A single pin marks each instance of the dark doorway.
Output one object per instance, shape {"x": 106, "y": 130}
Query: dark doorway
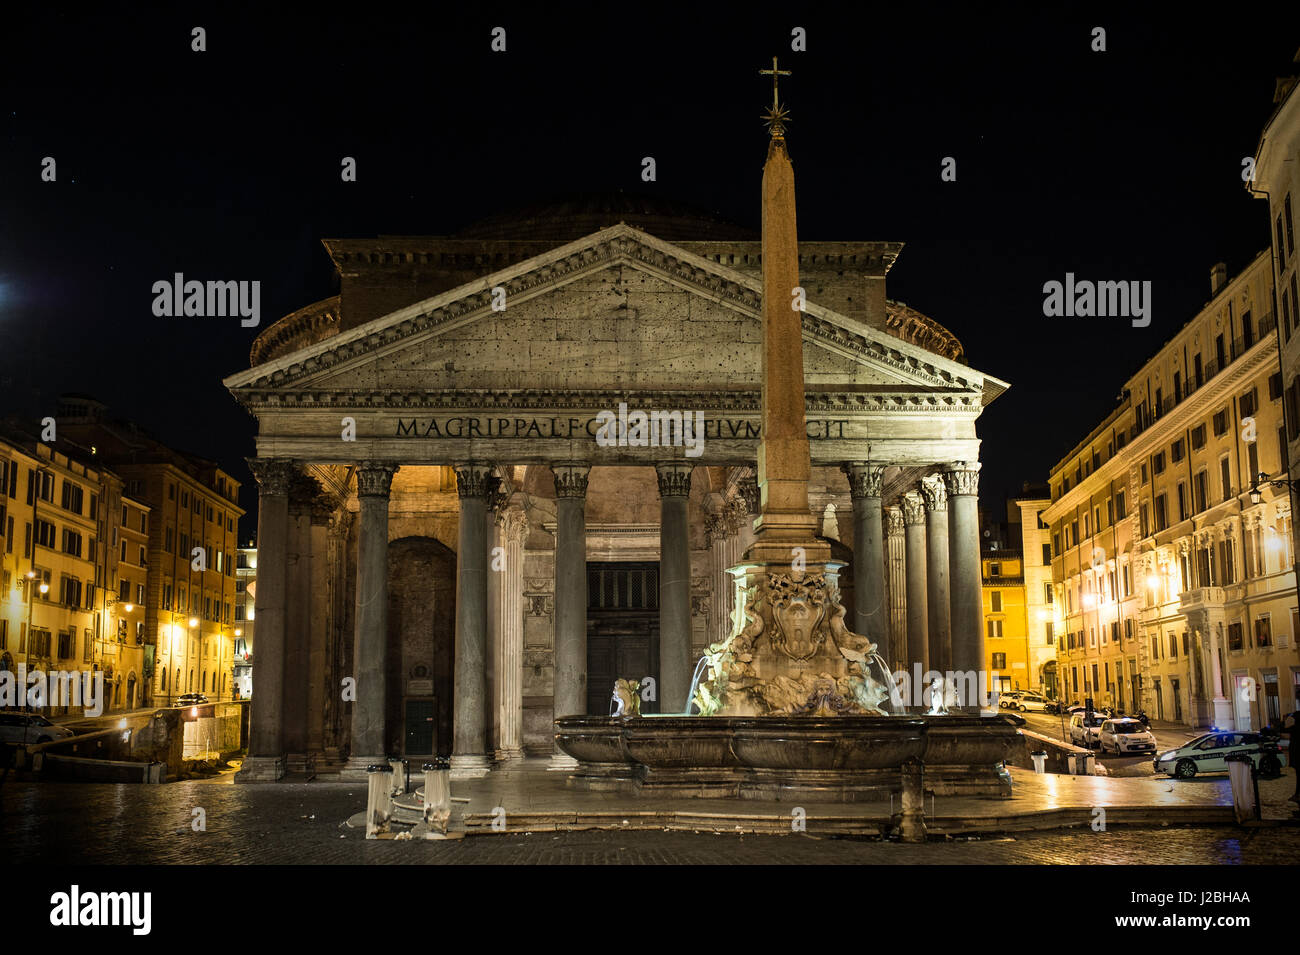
{"x": 421, "y": 728}
{"x": 622, "y": 631}
{"x": 421, "y": 642}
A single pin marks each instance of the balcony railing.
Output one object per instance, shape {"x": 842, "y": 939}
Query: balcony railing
{"x": 1236, "y": 348}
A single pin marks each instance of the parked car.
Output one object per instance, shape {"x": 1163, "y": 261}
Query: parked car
{"x": 1085, "y": 730}
{"x": 1007, "y": 699}
{"x": 1206, "y": 754}
{"x": 1125, "y": 735}
{"x": 30, "y": 728}
{"x": 190, "y": 699}
{"x": 1027, "y": 701}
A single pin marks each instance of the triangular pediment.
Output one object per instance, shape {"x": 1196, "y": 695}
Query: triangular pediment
{"x": 619, "y": 309}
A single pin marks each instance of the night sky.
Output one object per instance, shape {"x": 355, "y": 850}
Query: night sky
{"x": 225, "y": 165}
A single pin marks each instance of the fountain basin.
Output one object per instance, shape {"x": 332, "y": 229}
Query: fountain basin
{"x": 850, "y": 758}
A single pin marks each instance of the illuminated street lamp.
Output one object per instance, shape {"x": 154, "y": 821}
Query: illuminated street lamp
{"x": 1262, "y": 481}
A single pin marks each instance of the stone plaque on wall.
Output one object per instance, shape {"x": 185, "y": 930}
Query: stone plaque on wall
{"x": 419, "y": 688}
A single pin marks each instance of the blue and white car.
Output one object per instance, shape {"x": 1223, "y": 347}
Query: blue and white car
{"x": 1207, "y": 754}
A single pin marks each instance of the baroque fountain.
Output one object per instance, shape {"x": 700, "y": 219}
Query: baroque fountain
{"x": 792, "y": 704}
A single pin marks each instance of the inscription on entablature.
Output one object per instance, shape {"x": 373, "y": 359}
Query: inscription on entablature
{"x": 473, "y": 426}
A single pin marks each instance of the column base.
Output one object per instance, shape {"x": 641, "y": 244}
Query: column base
{"x": 261, "y": 769}
{"x": 356, "y": 767}
{"x": 508, "y": 753}
{"x": 1224, "y": 718}
{"x": 470, "y": 766}
{"x": 561, "y": 763}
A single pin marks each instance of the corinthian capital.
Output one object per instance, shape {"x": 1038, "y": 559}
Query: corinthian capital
{"x": 273, "y": 475}
{"x": 375, "y": 478}
{"x": 936, "y": 497}
{"x": 913, "y": 508}
{"x": 473, "y": 480}
{"x": 962, "y": 479}
{"x": 864, "y": 479}
{"x": 894, "y": 521}
{"x": 571, "y": 480}
{"x": 674, "y": 479}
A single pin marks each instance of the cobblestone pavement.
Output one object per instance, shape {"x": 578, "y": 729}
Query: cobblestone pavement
{"x": 61, "y": 823}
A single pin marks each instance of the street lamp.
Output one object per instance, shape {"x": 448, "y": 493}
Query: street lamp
{"x": 1262, "y": 481}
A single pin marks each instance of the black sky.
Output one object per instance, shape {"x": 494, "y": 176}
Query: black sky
{"x": 225, "y": 164}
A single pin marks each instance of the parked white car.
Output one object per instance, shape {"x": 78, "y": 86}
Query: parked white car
{"x": 1206, "y": 754}
{"x": 29, "y": 728}
{"x": 1085, "y": 731}
{"x": 1027, "y": 701}
{"x": 1125, "y": 735}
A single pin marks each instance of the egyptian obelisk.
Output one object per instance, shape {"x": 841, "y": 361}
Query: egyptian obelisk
{"x": 785, "y": 521}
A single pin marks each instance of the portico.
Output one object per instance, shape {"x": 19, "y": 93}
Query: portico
{"x": 469, "y": 505}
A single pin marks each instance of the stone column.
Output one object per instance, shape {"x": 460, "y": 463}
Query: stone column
{"x": 936, "y": 540}
{"x": 570, "y": 598}
{"x": 719, "y": 539}
{"x": 917, "y": 598}
{"x": 961, "y": 481}
{"x": 897, "y": 562}
{"x": 871, "y": 615}
{"x": 469, "y": 723}
{"x": 322, "y": 617}
{"x": 510, "y": 636}
{"x": 338, "y": 657}
{"x": 674, "y": 586}
{"x": 370, "y": 657}
{"x": 298, "y": 620}
{"x": 266, "y": 731}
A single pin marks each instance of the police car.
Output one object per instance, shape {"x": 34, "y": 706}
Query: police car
{"x": 1208, "y": 754}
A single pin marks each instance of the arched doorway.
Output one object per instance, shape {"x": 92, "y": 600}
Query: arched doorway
{"x": 421, "y": 646}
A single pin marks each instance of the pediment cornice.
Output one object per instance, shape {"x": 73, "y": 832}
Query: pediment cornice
{"x": 545, "y": 399}
{"x": 619, "y": 244}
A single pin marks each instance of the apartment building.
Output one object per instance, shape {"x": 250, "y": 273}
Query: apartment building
{"x": 1172, "y": 563}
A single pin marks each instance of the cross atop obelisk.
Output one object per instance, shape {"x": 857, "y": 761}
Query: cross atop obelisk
{"x": 777, "y": 116}
{"x": 785, "y": 521}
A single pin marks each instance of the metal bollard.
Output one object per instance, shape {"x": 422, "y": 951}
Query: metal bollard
{"x": 1040, "y": 762}
{"x": 379, "y": 800}
{"x": 437, "y": 793}
{"x": 401, "y": 774}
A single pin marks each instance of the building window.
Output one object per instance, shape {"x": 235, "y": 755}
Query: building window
{"x": 1182, "y": 502}
{"x": 1200, "y": 491}
{"x": 1234, "y": 636}
{"x": 1051, "y": 632}
{"x": 1176, "y": 451}
{"x": 1198, "y": 437}
{"x": 994, "y": 629}
{"x": 999, "y": 661}
{"x": 1220, "y": 422}
{"x": 1225, "y": 477}
{"x": 1047, "y": 592}
{"x": 1249, "y": 403}
{"x": 996, "y": 601}
{"x": 1047, "y": 554}
{"x": 1263, "y": 631}
{"x": 1162, "y": 518}
{"x": 1158, "y": 463}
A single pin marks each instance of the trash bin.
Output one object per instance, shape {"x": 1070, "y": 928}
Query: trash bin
{"x": 1245, "y": 788}
{"x": 1040, "y": 762}
{"x": 437, "y": 793}
{"x": 379, "y": 800}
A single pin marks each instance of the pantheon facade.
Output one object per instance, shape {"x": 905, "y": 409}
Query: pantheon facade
{"x": 449, "y": 553}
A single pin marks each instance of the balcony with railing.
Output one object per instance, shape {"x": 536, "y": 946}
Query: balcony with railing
{"x": 1236, "y": 348}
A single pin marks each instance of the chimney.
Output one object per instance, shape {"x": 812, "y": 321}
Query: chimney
{"x": 1218, "y": 277}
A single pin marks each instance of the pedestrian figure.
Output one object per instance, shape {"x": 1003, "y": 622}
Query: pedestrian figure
{"x": 1145, "y": 720}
